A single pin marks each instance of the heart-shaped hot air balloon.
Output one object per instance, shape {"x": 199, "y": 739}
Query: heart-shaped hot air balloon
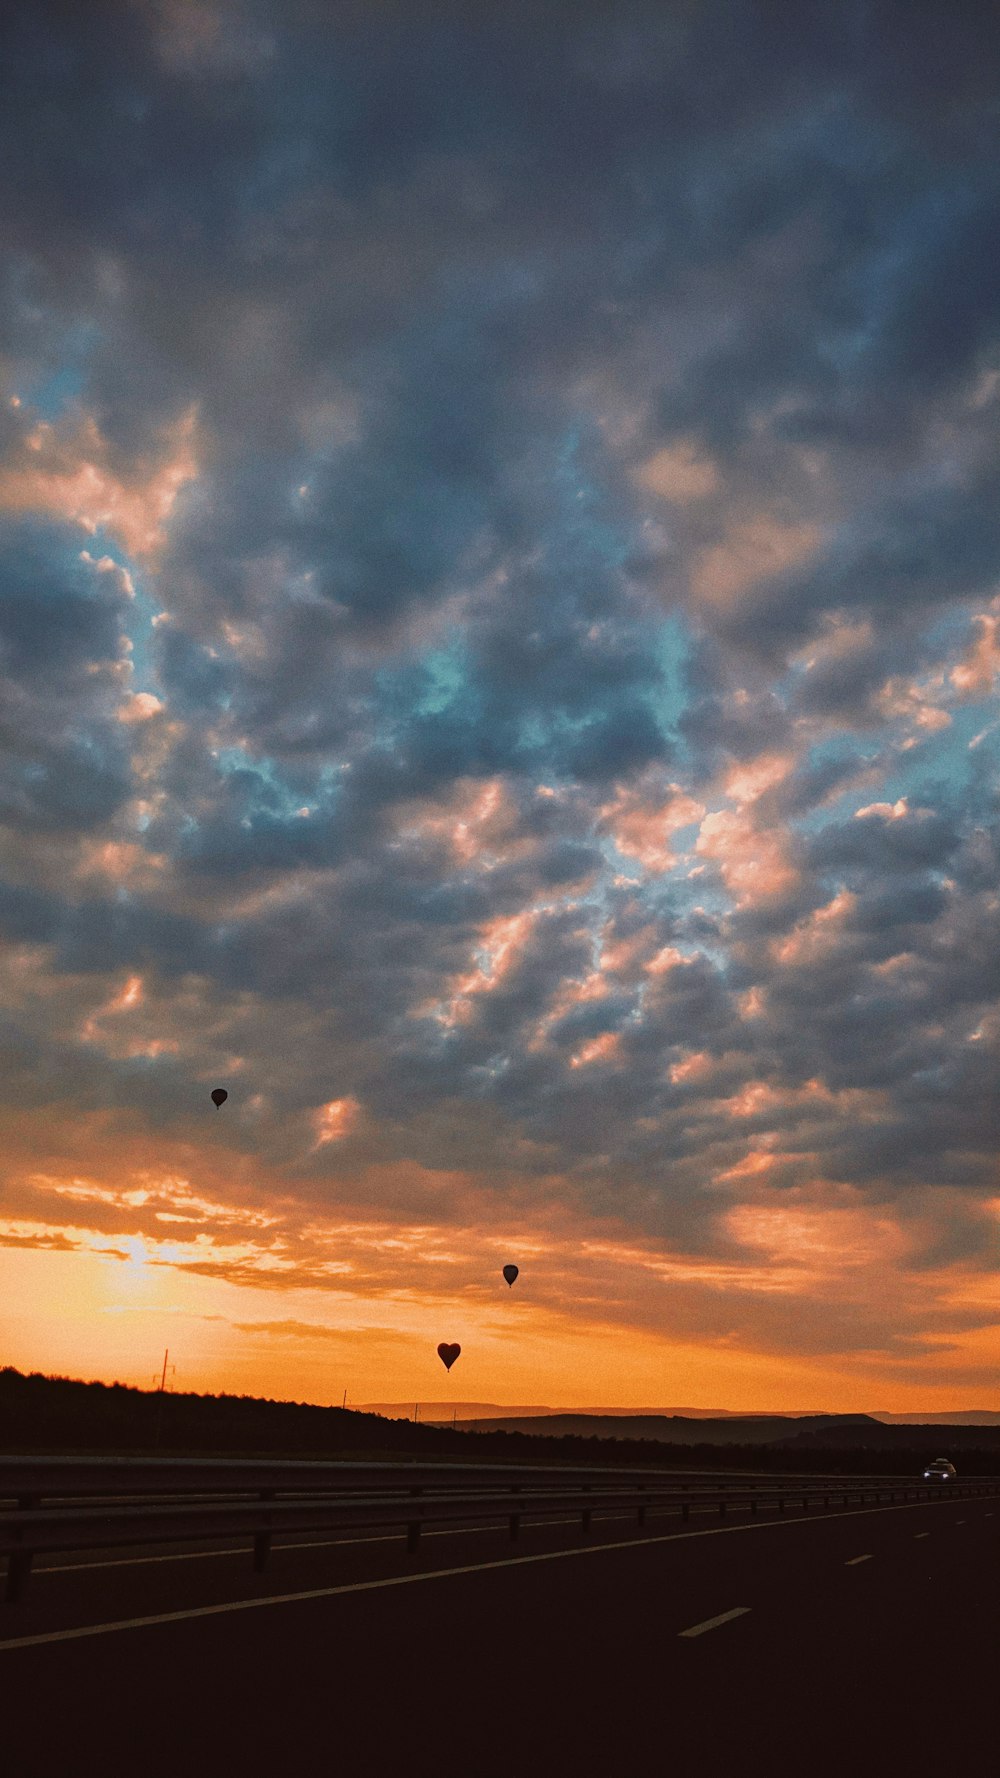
{"x": 510, "y": 1273}
{"x": 448, "y": 1354}
{"x": 219, "y": 1097}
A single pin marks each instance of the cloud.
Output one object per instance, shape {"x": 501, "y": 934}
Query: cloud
{"x": 64, "y": 473}
{"x": 498, "y": 636}
{"x": 64, "y": 660}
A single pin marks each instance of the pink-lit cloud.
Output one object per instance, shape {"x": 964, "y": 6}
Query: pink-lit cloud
{"x": 498, "y": 649}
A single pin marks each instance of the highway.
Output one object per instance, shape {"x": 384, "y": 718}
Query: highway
{"x": 864, "y": 1640}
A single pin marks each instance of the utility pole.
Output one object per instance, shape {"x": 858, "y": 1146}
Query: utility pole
{"x": 416, "y": 1410}
{"x": 344, "y": 1402}
{"x": 160, "y": 1394}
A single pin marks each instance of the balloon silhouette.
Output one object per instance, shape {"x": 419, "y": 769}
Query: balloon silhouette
{"x": 448, "y": 1354}
{"x": 219, "y": 1097}
{"x": 510, "y": 1273}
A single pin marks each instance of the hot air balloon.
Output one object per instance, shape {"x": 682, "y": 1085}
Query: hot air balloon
{"x": 448, "y": 1354}
{"x": 219, "y": 1097}
{"x": 510, "y": 1273}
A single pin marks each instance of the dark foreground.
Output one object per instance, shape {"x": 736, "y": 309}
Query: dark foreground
{"x": 571, "y": 1665}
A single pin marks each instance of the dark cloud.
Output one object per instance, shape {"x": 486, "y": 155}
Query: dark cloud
{"x": 536, "y": 474}
{"x": 879, "y": 842}
{"x": 61, "y": 628}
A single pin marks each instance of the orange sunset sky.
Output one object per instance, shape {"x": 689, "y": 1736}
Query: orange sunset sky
{"x": 499, "y": 641}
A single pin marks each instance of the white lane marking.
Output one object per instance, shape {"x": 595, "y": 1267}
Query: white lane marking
{"x": 960, "y": 1521}
{"x": 854, "y": 1560}
{"x": 917, "y": 1534}
{"x": 712, "y": 1623}
{"x": 405, "y": 1580}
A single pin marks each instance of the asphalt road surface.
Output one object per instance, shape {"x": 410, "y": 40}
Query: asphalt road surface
{"x": 856, "y": 1642}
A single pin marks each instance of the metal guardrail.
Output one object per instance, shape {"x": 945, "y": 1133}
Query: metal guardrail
{"x": 96, "y": 1504}
{"x": 72, "y": 1478}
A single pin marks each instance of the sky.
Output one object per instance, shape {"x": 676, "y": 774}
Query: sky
{"x": 499, "y": 632}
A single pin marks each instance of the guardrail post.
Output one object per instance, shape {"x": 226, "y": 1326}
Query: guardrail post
{"x": 642, "y": 1506}
{"x": 19, "y": 1561}
{"x": 514, "y": 1522}
{"x": 262, "y": 1541}
{"x": 722, "y": 1506}
{"x": 413, "y": 1528}
{"x": 587, "y": 1511}
{"x": 685, "y": 1509}
{"x": 781, "y": 1503}
{"x": 753, "y": 1503}
{"x": 805, "y": 1503}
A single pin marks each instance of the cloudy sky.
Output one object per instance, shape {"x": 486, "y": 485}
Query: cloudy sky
{"x": 499, "y": 628}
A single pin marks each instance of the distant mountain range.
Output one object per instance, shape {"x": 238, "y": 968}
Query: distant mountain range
{"x": 799, "y": 1431}
{"x": 491, "y": 1410}
{"x": 760, "y": 1429}
{"x": 961, "y": 1417}
{"x": 491, "y": 1416}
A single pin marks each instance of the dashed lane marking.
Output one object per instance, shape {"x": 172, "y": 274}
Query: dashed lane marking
{"x": 854, "y": 1560}
{"x": 712, "y": 1623}
{"x": 918, "y": 1534}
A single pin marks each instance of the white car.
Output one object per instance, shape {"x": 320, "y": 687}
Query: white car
{"x": 940, "y": 1471}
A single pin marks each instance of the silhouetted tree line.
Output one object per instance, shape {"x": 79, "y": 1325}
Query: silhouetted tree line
{"x": 58, "y": 1414}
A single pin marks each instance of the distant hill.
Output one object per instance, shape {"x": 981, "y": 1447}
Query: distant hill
{"x": 958, "y": 1417}
{"x": 673, "y": 1429}
{"x": 496, "y": 1414}
{"x": 441, "y": 1412}
{"x": 937, "y": 1438}
{"x": 779, "y": 1431}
